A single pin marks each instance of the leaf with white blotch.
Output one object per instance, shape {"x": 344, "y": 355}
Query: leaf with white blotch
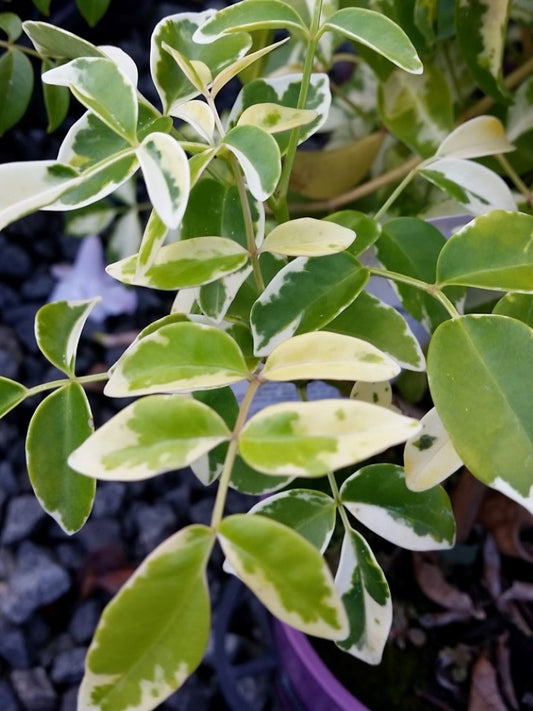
{"x": 494, "y": 251}
{"x": 378, "y": 497}
{"x": 259, "y": 157}
{"x": 177, "y": 357}
{"x": 155, "y": 434}
{"x": 483, "y": 395}
{"x": 304, "y": 296}
{"x": 227, "y": 74}
{"x": 519, "y": 306}
{"x": 473, "y": 185}
{"x": 310, "y": 513}
{"x": 481, "y": 28}
{"x": 481, "y": 136}
{"x": 379, "y": 33}
{"x": 64, "y": 419}
{"x": 56, "y": 100}
{"x": 520, "y": 113}
{"x": 430, "y": 457}
{"x": 123, "y": 60}
{"x": 376, "y": 393}
{"x": 176, "y": 31}
{"x": 216, "y": 298}
{"x": 11, "y": 394}
{"x": 285, "y": 91}
{"x": 30, "y": 185}
{"x": 166, "y": 174}
{"x": 313, "y": 438}
{"x": 139, "y": 666}
{"x": 197, "y": 72}
{"x": 199, "y": 116}
{"x": 153, "y": 237}
{"x": 418, "y": 110}
{"x": 308, "y": 237}
{"x": 103, "y": 88}
{"x": 382, "y": 325}
{"x": 52, "y": 41}
{"x": 366, "y": 596}
{"x": 184, "y": 264}
{"x": 248, "y": 480}
{"x": 275, "y": 118}
{"x": 286, "y": 572}
{"x": 58, "y": 327}
{"x": 248, "y": 16}
{"x": 324, "y": 355}
{"x": 411, "y": 246}
{"x": 198, "y": 164}
{"x": 16, "y": 87}
{"x": 367, "y": 229}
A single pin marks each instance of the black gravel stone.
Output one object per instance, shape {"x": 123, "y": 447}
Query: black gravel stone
{"x": 69, "y": 702}
{"x": 154, "y": 524}
{"x": 15, "y": 261}
{"x": 22, "y": 516}
{"x": 8, "y": 701}
{"x": 109, "y": 499}
{"x": 34, "y": 689}
{"x": 98, "y": 533}
{"x": 83, "y": 622}
{"x": 22, "y": 317}
{"x": 68, "y": 666}
{"x": 13, "y": 648}
{"x": 8, "y": 482}
{"x": 10, "y": 353}
{"x": 36, "y": 581}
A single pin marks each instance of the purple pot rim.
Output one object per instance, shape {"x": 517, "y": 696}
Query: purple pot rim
{"x": 316, "y": 668}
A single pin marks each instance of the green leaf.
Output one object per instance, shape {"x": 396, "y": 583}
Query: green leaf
{"x": 275, "y": 118}
{"x": 137, "y": 666}
{"x": 378, "y": 497}
{"x": 176, "y": 31}
{"x": 30, "y": 185}
{"x": 102, "y": 87}
{"x": 310, "y": 513}
{"x": 11, "y": 394}
{"x": 43, "y": 6}
{"x": 366, "y": 597}
{"x": 304, "y": 296}
{"x": 328, "y": 356}
{"x": 16, "y": 87}
{"x": 286, "y": 572}
{"x": 90, "y": 141}
{"x": 479, "y": 370}
{"x": 56, "y": 101}
{"x": 418, "y": 110}
{"x": 93, "y": 10}
{"x": 248, "y": 16}
{"x": 153, "y": 435}
{"x": 367, "y": 230}
{"x": 285, "y": 91}
{"x": 11, "y": 25}
{"x": 180, "y": 265}
{"x": 177, "y": 357}
{"x": 376, "y": 322}
{"x": 58, "y": 328}
{"x": 520, "y": 113}
{"x": 308, "y": 237}
{"x": 227, "y": 74}
{"x": 313, "y": 438}
{"x": 519, "y": 306}
{"x": 259, "y": 157}
{"x": 494, "y": 251}
{"x": 152, "y": 239}
{"x": 379, "y": 33}
{"x": 61, "y": 422}
{"x": 166, "y": 173}
{"x": 481, "y": 136}
{"x": 200, "y": 117}
{"x": 429, "y": 457}
{"x": 248, "y": 480}
{"x": 52, "y": 41}
{"x": 475, "y": 186}
{"x": 411, "y": 246}
{"x": 481, "y": 29}
{"x": 216, "y": 298}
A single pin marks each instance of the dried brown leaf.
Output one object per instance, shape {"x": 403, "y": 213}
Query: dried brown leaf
{"x": 506, "y": 520}
{"x": 435, "y": 586}
{"x": 484, "y": 692}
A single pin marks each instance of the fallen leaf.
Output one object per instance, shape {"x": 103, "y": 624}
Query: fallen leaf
{"x": 506, "y": 521}
{"x": 484, "y": 692}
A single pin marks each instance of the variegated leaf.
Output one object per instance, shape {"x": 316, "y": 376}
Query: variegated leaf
{"x": 11, "y": 394}
{"x": 328, "y": 356}
{"x": 430, "y": 457}
{"x": 375, "y": 393}
{"x": 131, "y": 666}
{"x": 199, "y": 116}
{"x": 366, "y": 597}
{"x": 152, "y": 240}
{"x": 259, "y": 157}
{"x": 177, "y": 357}
{"x": 52, "y": 41}
{"x": 275, "y": 118}
{"x": 286, "y": 572}
{"x": 184, "y": 264}
{"x": 166, "y": 173}
{"x": 153, "y": 435}
{"x": 481, "y": 136}
{"x": 308, "y": 237}
{"x": 313, "y": 438}
{"x": 378, "y": 497}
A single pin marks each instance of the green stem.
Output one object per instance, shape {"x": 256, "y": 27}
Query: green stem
{"x": 430, "y": 289}
{"x": 223, "y": 485}
{"x": 340, "y": 506}
{"x": 517, "y": 180}
{"x": 54, "y": 384}
{"x": 25, "y": 50}
{"x": 279, "y": 203}
{"x": 396, "y": 193}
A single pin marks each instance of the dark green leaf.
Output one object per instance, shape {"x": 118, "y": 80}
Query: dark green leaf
{"x": 16, "y": 86}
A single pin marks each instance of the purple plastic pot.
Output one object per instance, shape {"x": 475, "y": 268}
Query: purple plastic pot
{"x": 309, "y": 684}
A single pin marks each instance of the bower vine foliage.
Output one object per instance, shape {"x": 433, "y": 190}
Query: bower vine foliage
{"x": 272, "y": 285}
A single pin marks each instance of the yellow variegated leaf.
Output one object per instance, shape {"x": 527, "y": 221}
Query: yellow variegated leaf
{"x": 308, "y": 237}
{"x": 275, "y": 118}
